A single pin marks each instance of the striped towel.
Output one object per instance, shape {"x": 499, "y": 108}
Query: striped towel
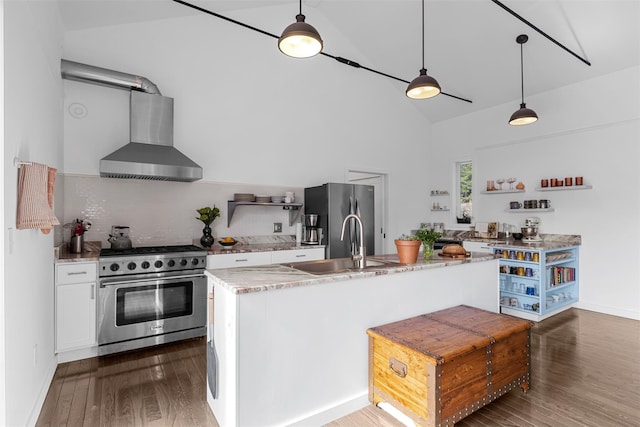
{"x": 35, "y": 198}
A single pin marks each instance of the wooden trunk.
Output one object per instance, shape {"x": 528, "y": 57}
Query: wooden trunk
{"x": 439, "y": 367}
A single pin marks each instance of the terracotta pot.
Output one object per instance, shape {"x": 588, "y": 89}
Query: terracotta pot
{"x": 408, "y": 250}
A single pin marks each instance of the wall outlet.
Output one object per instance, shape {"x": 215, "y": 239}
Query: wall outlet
{"x": 277, "y": 227}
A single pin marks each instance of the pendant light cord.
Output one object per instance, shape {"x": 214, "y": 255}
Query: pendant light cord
{"x": 521, "y": 73}
{"x": 422, "y": 34}
{"x": 300, "y": 7}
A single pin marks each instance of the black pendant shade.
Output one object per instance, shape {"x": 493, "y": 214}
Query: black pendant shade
{"x": 524, "y": 115}
{"x": 300, "y": 40}
{"x": 423, "y": 86}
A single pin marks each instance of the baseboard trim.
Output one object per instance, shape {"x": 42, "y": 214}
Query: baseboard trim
{"x": 332, "y": 413}
{"x": 73, "y": 355}
{"x": 613, "y": 311}
{"x": 37, "y": 407}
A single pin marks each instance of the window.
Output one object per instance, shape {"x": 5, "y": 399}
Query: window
{"x": 464, "y": 195}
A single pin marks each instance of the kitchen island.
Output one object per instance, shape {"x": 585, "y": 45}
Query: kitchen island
{"x": 291, "y": 347}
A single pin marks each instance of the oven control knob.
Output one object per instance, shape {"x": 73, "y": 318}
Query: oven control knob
{"x": 195, "y": 261}
{"x": 131, "y": 266}
{"x": 183, "y": 262}
{"x": 158, "y": 264}
{"x": 171, "y": 263}
{"x": 114, "y": 267}
{"x": 145, "y": 264}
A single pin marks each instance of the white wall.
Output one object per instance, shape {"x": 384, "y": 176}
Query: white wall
{"x": 248, "y": 114}
{"x": 581, "y": 131}
{"x": 3, "y": 366}
{"x": 163, "y": 213}
{"x": 32, "y": 132}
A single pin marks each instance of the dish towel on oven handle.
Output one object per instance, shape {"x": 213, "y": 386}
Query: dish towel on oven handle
{"x": 35, "y": 197}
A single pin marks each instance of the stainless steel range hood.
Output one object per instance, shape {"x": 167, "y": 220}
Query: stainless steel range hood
{"x": 150, "y": 154}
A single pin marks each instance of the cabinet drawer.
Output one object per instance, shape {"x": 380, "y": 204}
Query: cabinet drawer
{"x": 279, "y": 257}
{"x": 238, "y": 260}
{"x": 473, "y": 246}
{"x": 74, "y": 272}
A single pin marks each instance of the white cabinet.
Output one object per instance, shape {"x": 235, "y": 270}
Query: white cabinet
{"x": 244, "y": 259}
{"x": 280, "y": 257}
{"x": 75, "y": 305}
{"x": 76, "y": 272}
{"x": 251, "y": 259}
{"x": 473, "y": 246}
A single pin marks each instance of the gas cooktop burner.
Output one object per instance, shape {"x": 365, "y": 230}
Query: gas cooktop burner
{"x": 152, "y": 260}
{"x": 150, "y": 250}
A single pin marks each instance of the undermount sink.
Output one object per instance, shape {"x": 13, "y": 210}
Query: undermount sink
{"x": 337, "y": 265}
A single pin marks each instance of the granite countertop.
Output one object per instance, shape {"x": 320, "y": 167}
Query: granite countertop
{"x": 549, "y": 241}
{"x": 90, "y": 252}
{"x": 545, "y": 245}
{"x": 242, "y": 280}
{"x": 242, "y": 247}
{"x": 257, "y": 244}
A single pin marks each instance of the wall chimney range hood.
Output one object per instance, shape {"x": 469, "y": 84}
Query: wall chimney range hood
{"x": 150, "y": 154}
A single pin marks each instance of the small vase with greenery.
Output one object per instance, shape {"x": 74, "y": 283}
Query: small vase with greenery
{"x": 408, "y": 246}
{"x": 428, "y": 237}
{"x": 207, "y": 216}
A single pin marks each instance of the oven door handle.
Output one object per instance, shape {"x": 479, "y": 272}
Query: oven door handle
{"x": 109, "y": 281}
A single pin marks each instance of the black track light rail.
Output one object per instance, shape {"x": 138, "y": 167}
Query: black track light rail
{"x": 337, "y": 58}
{"x": 217, "y": 15}
{"x": 541, "y": 32}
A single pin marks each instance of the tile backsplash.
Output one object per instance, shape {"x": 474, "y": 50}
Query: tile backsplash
{"x": 164, "y": 212}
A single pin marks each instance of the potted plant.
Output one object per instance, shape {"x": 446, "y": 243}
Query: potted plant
{"x": 207, "y": 216}
{"x": 408, "y": 246}
{"x": 427, "y": 237}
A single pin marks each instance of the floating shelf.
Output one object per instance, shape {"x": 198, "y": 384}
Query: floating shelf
{"x": 570, "y": 187}
{"x": 439, "y": 210}
{"x": 522, "y": 210}
{"x": 293, "y": 208}
{"x": 502, "y": 191}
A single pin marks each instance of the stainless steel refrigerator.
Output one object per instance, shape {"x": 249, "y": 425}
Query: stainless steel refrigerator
{"x": 333, "y": 202}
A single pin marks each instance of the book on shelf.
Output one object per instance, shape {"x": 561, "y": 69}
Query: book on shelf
{"x": 561, "y": 275}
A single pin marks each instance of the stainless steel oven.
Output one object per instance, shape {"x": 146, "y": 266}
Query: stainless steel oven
{"x": 150, "y": 298}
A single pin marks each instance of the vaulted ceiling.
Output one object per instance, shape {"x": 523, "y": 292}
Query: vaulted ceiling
{"x": 470, "y": 45}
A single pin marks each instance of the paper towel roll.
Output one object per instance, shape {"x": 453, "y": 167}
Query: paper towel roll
{"x": 298, "y": 232}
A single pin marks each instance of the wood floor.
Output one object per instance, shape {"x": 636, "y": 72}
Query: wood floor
{"x": 159, "y": 386}
{"x": 585, "y": 372}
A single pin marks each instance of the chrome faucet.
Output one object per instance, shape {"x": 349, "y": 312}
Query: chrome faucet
{"x": 359, "y": 259}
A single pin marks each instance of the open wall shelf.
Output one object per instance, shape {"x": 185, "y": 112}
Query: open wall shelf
{"x": 502, "y": 191}
{"x": 293, "y": 208}
{"x": 571, "y": 187}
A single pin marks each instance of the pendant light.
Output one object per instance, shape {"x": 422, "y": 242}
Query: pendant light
{"x": 524, "y": 115}
{"x": 300, "y": 40}
{"x": 423, "y": 86}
